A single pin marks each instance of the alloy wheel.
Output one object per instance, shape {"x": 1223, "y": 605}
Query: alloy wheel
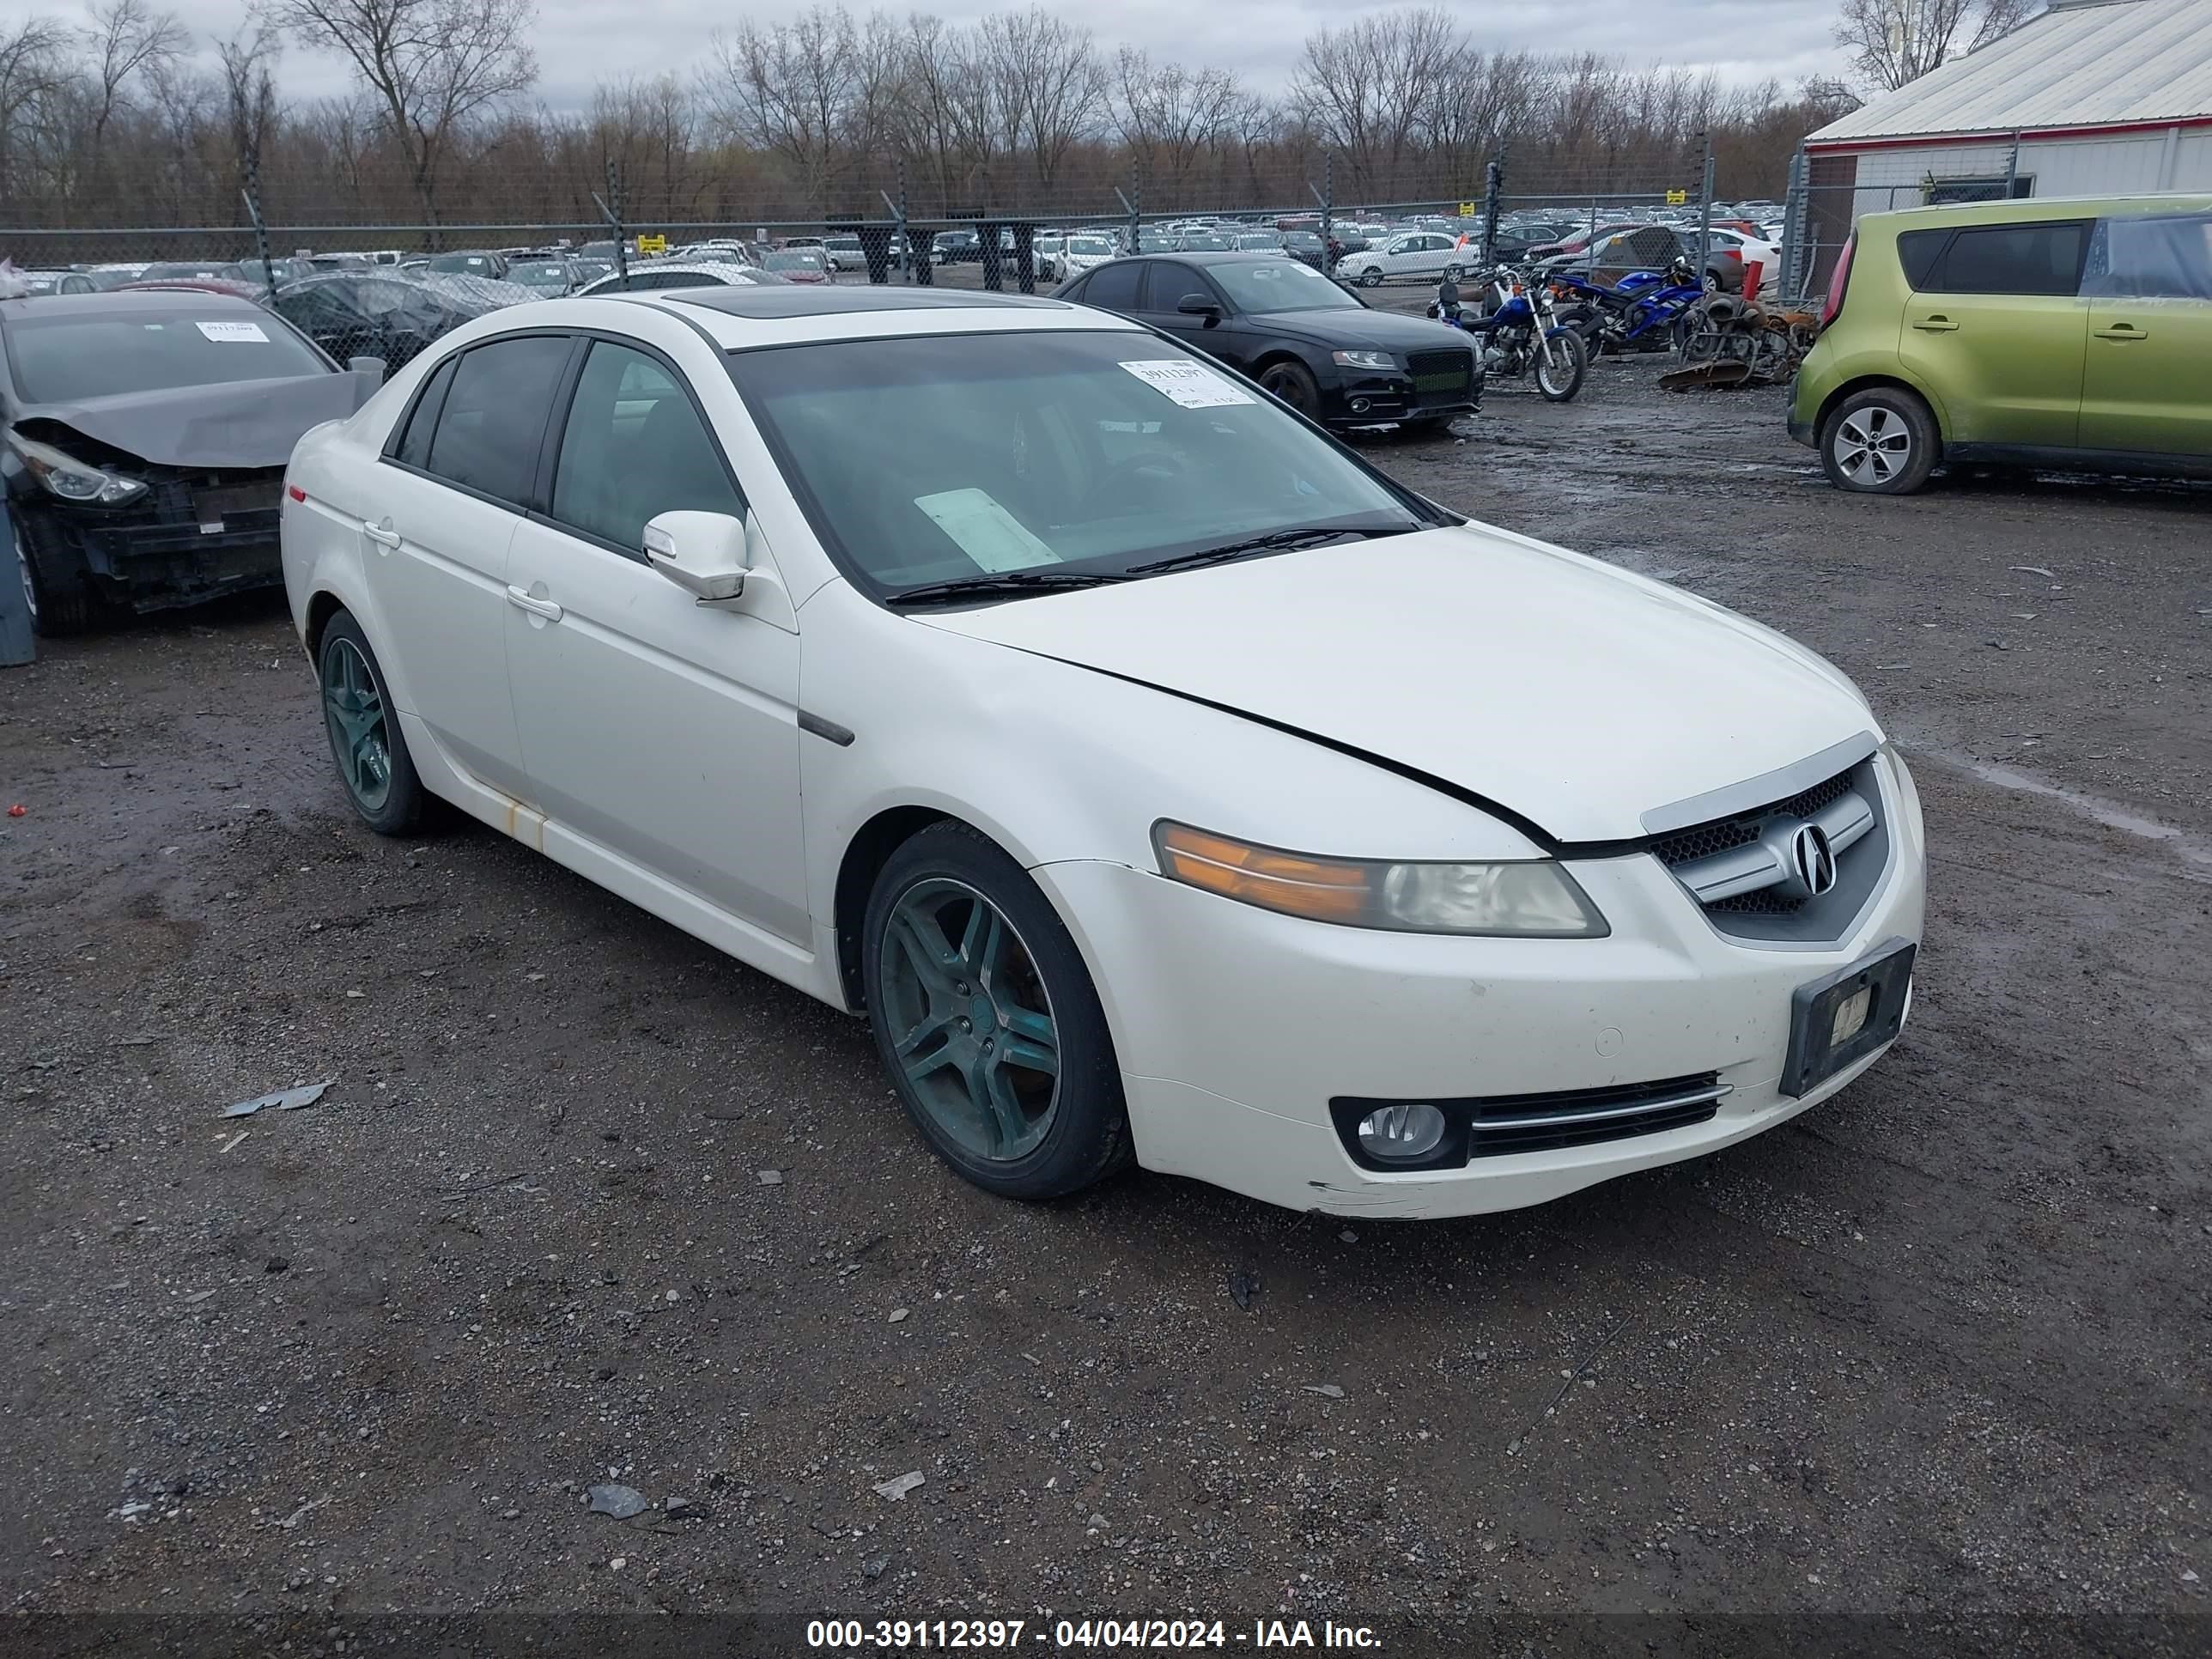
{"x": 1872, "y": 445}
{"x": 353, "y": 710}
{"x": 971, "y": 1023}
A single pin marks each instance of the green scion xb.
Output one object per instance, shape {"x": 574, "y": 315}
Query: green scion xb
{"x": 2074, "y": 335}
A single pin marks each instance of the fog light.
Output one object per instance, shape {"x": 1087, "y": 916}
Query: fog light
{"x": 1361, "y": 405}
{"x": 1400, "y": 1135}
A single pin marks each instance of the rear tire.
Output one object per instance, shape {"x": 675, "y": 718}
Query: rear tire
{"x": 1881, "y": 442}
{"x": 367, "y": 745}
{"x": 987, "y": 1021}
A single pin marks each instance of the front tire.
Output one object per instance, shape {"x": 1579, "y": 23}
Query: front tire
{"x": 987, "y": 1022}
{"x": 367, "y": 745}
{"x": 1560, "y": 370}
{"x": 1881, "y": 442}
{"x": 1294, "y": 383}
{"x": 1370, "y": 277}
{"x": 55, "y": 584}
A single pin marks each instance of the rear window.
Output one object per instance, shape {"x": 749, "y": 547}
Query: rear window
{"x": 1918, "y": 252}
{"x": 67, "y": 358}
{"x": 2032, "y": 259}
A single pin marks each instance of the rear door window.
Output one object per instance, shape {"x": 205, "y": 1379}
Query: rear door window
{"x": 494, "y": 420}
{"x": 2044, "y": 259}
{"x": 2167, "y": 257}
{"x": 1115, "y": 287}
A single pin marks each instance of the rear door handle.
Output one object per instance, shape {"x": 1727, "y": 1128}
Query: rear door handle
{"x": 381, "y": 534}
{"x": 522, "y": 601}
{"x": 1935, "y": 326}
{"x": 2122, "y": 332}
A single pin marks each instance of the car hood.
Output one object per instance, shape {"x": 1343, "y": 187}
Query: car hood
{"x": 246, "y": 423}
{"x": 1574, "y": 695}
{"x": 1346, "y": 325}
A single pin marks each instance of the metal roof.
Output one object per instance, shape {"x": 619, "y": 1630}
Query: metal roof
{"x": 2081, "y": 64}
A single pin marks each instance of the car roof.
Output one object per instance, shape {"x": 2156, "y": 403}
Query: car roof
{"x": 147, "y": 305}
{"x": 2032, "y": 209}
{"x": 739, "y": 318}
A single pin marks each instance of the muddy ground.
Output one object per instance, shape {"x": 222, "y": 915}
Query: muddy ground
{"x": 1926, "y": 1368}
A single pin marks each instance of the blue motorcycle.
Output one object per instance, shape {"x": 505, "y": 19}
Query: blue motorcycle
{"x": 1519, "y": 331}
{"x": 1646, "y": 311}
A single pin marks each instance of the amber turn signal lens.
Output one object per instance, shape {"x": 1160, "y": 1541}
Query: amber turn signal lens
{"x": 1262, "y": 875}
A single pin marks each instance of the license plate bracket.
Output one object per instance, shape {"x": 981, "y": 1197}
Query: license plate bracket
{"x": 1826, "y": 1006}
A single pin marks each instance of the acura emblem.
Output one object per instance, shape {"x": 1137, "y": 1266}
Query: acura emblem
{"x": 1812, "y": 861}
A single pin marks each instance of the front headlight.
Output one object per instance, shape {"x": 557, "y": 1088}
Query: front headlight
{"x": 1364, "y": 359}
{"x": 1531, "y": 898}
{"x": 72, "y": 480}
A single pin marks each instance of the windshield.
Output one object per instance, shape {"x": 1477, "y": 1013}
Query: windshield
{"x": 797, "y": 259}
{"x": 1278, "y": 285}
{"x": 68, "y": 359}
{"x": 542, "y": 274}
{"x": 922, "y": 460}
{"x": 1091, "y": 248}
{"x": 1203, "y": 242}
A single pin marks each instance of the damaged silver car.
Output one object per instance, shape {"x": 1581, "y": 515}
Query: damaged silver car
{"x": 143, "y": 443}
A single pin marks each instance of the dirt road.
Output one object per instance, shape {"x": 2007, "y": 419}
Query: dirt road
{"x": 1928, "y": 1366}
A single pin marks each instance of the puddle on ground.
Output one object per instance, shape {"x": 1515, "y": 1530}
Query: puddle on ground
{"x": 2193, "y": 848}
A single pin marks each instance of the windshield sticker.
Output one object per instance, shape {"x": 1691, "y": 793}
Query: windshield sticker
{"x": 235, "y": 333}
{"x": 985, "y": 531}
{"x": 1190, "y": 384}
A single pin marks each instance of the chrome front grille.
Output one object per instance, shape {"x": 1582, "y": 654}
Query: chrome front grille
{"x": 1759, "y": 877}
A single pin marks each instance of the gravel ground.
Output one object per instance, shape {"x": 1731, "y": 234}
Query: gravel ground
{"x": 584, "y": 1204}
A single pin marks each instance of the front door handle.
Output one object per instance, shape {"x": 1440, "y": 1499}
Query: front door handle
{"x": 1935, "y": 326}
{"x": 2122, "y": 332}
{"x": 382, "y": 534}
{"x": 522, "y": 601}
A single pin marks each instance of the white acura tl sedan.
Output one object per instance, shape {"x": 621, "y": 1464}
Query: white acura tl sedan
{"x": 1164, "y": 783}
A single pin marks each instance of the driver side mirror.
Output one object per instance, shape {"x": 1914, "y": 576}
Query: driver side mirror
{"x": 1200, "y": 305}
{"x": 703, "y": 553}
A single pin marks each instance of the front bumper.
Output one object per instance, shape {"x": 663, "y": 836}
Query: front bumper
{"x": 176, "y": 546}
{"x": 1235, "y": 1027}
{"x": 1377, "y": 398}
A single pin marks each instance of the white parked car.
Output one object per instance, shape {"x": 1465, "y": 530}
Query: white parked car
{"x": 681, "y": 273}
{"x": 1079, "y": 254}
{"x": 1162, "y": 781}
{"x": 1767, "y": 256}
{"x": 1410, "y": 254}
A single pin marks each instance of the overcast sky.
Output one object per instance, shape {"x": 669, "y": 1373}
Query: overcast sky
{"x": 583, "y": 41}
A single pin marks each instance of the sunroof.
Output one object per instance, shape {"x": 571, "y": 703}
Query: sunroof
{"x": 795, "y": 301}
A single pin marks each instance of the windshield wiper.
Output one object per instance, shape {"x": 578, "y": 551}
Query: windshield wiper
{"x": 1312, "y": 535}
{"x": 1009, "y": 584}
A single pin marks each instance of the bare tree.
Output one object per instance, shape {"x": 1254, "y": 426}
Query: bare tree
{"x": 32, "y": 67}
{"x": 1168, "y": 114}
{"x": 125, "y": 40}
{"x": 789, "y": 88}
{"x": 433, "y": 66}
{"x": 1051, "y": 83}
{"x": 1891, "y": 42}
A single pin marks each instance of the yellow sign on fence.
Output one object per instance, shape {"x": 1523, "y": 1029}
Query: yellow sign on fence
{"x": 652, "y": 244}
{"x": 1468, "y": 209}
{"x": 1677, "y": 198}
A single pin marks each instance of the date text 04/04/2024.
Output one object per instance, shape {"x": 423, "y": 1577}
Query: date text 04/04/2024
{"x": 854, "y": 1635}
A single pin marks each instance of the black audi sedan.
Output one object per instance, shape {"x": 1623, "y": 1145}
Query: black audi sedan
{"x": 1317, "y": 346}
